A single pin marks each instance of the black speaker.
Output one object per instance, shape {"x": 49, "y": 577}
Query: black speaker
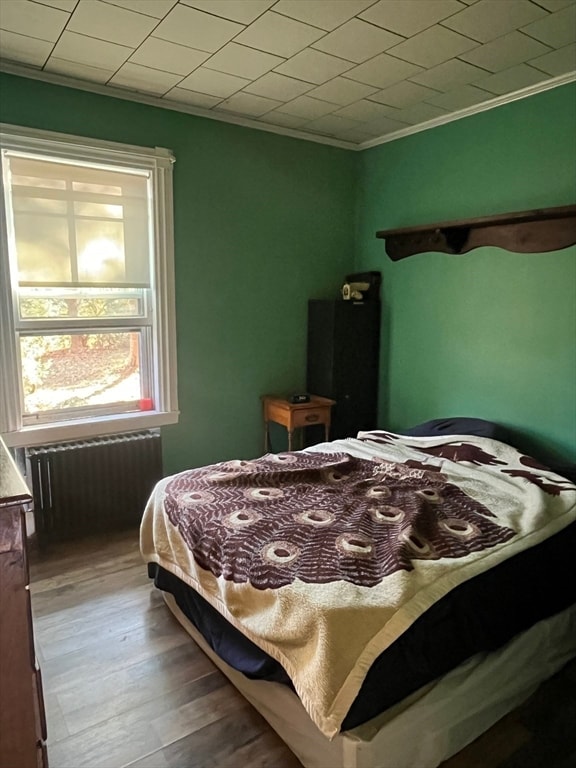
{"x": 343, "y": 360}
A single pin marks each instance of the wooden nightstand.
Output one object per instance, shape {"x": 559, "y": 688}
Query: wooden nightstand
{"x": 294, "y": 415}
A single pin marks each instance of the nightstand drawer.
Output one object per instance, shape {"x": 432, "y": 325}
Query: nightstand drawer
{"x": 308, "y": 416}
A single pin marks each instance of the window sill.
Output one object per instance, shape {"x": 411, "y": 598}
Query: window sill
{"x": 81, "y": 429}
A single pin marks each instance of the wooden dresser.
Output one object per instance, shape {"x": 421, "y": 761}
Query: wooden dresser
{"x": 22, "y": 717}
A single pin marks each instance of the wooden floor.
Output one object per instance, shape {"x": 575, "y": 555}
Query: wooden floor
{"x": 124, "y": 685}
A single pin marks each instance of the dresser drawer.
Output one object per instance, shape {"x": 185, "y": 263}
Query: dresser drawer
{"x": 308, "y": 416}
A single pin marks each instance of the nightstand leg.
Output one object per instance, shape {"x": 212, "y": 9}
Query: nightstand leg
{"x": 326, "y": 432}
{"x": 290, "y": 440}
{"x": 266, "y": 438}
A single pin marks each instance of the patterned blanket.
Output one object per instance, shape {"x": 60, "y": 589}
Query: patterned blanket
{"x": 324, "y": 557}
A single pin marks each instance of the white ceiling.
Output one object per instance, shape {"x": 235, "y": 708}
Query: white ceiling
{"x": 353, "y": 71}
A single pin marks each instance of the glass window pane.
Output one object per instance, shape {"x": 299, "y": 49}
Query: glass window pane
{"x": 69, "y": 371}
{"x": 42, "y": 248}
{"x": 81, "y": 302}
{"x": 99, "y": 189}
{"x": 100, "y": 247}
{"x": 39, "y": 205}
{"x": 101, "y": 210}
{"x": 18, "y": 180}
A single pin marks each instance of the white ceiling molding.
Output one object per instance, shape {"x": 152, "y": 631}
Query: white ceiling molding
{"x": 176, "y": 106}
{"x": 469, "y": 111}
{"x": 142, "y": 98}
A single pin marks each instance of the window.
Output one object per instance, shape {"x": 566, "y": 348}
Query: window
{"x": 87, "y": 304}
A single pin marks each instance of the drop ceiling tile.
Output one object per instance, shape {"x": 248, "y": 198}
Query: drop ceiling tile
{"x": 403, "y": 94}
{"x": 448, "y": 74}
{"x": 309, "y": 108}
{"x": 326, "y": 14}
{"x": 357, "y": 135}
{"x": 554, "y": 5}
{"x": 357, "y": 41}
{"x": 383, "y": 70}
{"x": 286, "y": 121}
{"x": 63, "y": 5}
{"x": 557, "y": 62}
{"x": 372, "y": 67}
{"x": 78, "y": 71}
{"x": 489, "y": 19}
{"x": 136, "y": 77}
{"x": 245, "y": 12}
{"x": 32, "y": 19}
{"x": 156, "y": 8}
{"x": 331, "y": 124}
{"x": 420, "y": 113}
{"x": 384, "y": 126}
{"x": 242, "y": 61}
{"x": 279, "y": 35}
{"x": 23, "y": 49}
{"x": 314, "y": 66}
{"x": 248, "y": 104}
{"x": 192, "y": 97}
{"x": 433, "y": 46}
{"x": 392, "y": 112}
{"x": 505, "y": 52}
{"x": 514, "y": 79}
{"x": 110, "y": 23}
{"x": 460, "y": 98}
{"x": 90, "y": 51}
{"x": 274, "y": 86}
{"x": 169, "y": 57}
{"x": 310, "y": 130}
{"x": 557, "y": 29}
{"x": 213, "y": 83}
{"x": 342, "y": 91}
{"x": 408, "y": 19}
{"x": 188, "y": 26}
{"x": 364, "y": 110}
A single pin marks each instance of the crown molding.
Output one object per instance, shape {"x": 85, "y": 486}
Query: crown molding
{"x": 498, "y": 101}
{"x": 154, "y": 101}
{"x": 176, "y": 106}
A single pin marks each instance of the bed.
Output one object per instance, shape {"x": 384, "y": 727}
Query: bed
{"x": 381, "y": 600}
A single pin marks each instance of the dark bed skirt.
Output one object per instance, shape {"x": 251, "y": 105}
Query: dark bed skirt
{"x": 480, "y": 615}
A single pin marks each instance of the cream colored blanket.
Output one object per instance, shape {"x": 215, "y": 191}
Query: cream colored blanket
{"x": 324, "y": 557}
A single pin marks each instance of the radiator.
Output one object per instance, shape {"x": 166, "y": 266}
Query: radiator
{"x": 93, "y": 486}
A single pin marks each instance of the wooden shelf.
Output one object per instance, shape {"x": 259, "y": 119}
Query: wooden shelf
{"x": 538, "y": 231}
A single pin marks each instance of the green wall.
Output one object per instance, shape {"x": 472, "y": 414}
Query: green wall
{"x": 262, "y": 223}
{"x": 491, "y": 334}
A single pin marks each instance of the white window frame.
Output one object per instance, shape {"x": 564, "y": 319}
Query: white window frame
{"x": 158, "y": 161}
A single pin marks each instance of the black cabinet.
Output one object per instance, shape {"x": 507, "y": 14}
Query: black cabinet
{"x": 343, "y": 361}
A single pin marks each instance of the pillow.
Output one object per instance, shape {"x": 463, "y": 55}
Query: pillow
{"x": 565, "y": 469}
{"x": 482, "y": 428}
{"x": 457, "y": 426}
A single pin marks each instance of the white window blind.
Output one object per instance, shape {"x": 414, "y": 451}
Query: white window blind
{"x": 78, "y": 226}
